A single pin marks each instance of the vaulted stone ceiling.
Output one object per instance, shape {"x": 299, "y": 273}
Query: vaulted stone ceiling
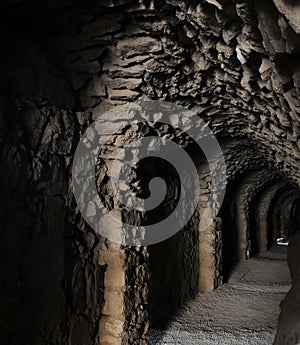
{"x": 235, "y": 63}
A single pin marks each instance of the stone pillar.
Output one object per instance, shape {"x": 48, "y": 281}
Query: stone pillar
{"x": 210, "y": 256}
{"x": 242, "y": 233}
{"x": 113, "y": 318}
{"x": 263, "y": 233}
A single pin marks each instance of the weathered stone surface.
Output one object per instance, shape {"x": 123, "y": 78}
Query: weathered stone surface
{"x": 107, "y": 25}
{"x": 233, "y": 63}
{"x": 121, "y": 83}
{"x": 291, "y": 11}
{"x": 79, "y": 332}
{"x": 115, "y": 71}
{"x": 111, "y": 326}
{"x": 110, "y": 340}
{"x": 268, "y": 26}
{"x": 96, "y": 88}
{"x": 114, "y": 303}
{"x": 123, "y": 95}
{"x": 138, "y": 46}
{"x": 289, "y": 319}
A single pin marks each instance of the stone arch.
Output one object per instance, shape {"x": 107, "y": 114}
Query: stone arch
{"x": 262, "y": 206}
{"x": 247, "y": 189}
{"x": 244, "y": 81}
{"x": 243, "y": 159}
{"x": 280, "y": 212}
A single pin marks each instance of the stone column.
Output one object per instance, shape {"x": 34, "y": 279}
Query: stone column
{"x": 210, "y": 256}
{"x": 242, "y": 233}
{"x": 113, "y": 318}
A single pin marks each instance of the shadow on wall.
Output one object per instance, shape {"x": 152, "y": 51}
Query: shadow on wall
{"x": 173, "y": 279}
{"x": 32, "y": 264}
{"x": 294, "y": 224}
{"x": 46, "y": 262}
{"x": 175, "y": 264}
{"x": 229, "y": 236}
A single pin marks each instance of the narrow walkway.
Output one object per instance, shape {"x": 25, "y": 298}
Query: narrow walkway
{"x": 242, "y": 312}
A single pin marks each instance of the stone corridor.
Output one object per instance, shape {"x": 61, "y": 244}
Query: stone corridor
{"x": 233, "y": 64}
{"x": 242, "y": 312}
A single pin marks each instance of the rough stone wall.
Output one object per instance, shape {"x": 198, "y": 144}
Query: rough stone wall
{"x": 288, "y": 328}
{"x": 279, "y": 228}
{"x": 170, "y": 270}
{"x": 210, "y": 257}
{"x": 211, "y": 51}
{"x": 236, "y": 64}
{"x": 261, "y": 205}
{"x": 174, "y": 273}
{"x": 51, "y": 279}
{"x": 246, "y": 191}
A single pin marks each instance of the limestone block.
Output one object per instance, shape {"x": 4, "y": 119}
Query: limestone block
{"x": 114, "y": 303}
{"x": 291, "y": 10}
{"x": 138, "y": 46}
{"x": 111, "y": 326}
{"x": 110, "y": 340}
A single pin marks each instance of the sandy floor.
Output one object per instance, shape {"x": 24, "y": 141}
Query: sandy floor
{"x": 244, "y": 311}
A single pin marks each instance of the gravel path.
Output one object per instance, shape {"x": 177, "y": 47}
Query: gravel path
{"x": 209, "y": 338}
{"x": 242, "y": 312}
